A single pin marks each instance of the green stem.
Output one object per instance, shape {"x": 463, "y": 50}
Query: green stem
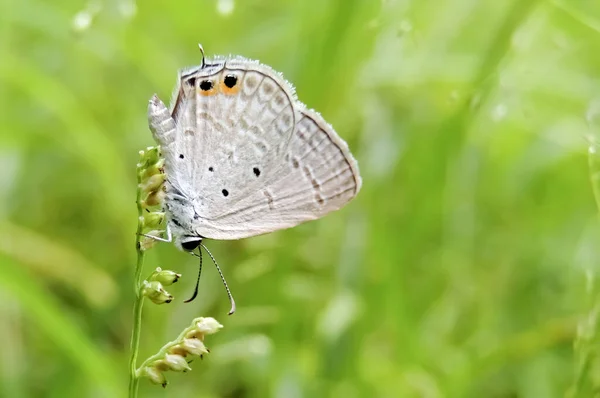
{"x": 139, "y": 298}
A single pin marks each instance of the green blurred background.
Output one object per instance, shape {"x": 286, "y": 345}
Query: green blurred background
{"x": 466, "y": 267}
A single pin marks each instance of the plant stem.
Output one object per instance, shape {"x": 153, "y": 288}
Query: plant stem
{"x": 139, "y": 298}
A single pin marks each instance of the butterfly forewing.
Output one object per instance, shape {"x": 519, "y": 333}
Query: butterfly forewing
{"x": 244, "y": 132}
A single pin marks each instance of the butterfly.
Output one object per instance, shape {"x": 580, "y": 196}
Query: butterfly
{"x": 243, "y": 156}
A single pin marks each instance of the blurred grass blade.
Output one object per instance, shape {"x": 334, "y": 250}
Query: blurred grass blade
{"x": 586, "y": 20}
{"x": 594, "y": 165}
{"x": 587, "y": 338}
{"x": 59, "y": 263}
{"x": 81, "y": 134}
{"x": 46, "y": 314}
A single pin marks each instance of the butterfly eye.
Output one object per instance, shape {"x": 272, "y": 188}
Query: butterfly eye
{"x": 190, "y": 245}
{"x": 206, "y": 85}
{"x": 230, "y": 80}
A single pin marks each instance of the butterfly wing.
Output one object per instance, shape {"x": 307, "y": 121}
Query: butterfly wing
{"x": 249, "y": 157}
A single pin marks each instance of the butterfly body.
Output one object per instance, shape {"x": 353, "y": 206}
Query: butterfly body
{"x": 243, "y": 156}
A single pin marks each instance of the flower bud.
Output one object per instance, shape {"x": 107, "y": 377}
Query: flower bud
{"x": 153, "y": 183}
{"x": 154, "y": 198}
{"x": 155, "y": 292}
{"x": 154, "y": 375}
{"x": 189, "y": 346}
{"x": 152, "y": 219}
{"x": 149, "y": 157}
{"x": 157, "y": 168}
{"x": 173, "y": 362}
{"x": 164, "y": 276}
{"x": 178, "y": 350}
{"x": 194, "y": 347}
{"x": 146, "y": 242}
{"x": 206, "y": 326}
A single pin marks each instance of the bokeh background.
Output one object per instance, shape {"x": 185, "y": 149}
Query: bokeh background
{"x": 466, "y": 267}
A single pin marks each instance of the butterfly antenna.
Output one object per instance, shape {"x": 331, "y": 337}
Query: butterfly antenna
{"x": 231, "y": 300}
{"x": 202, "y": 63}
{"x": 198, "y": 280}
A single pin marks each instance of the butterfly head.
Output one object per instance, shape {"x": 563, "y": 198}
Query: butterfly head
{"x": 188, "y": 243}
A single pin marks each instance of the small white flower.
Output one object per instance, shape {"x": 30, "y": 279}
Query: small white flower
{"x": 176, "y": 363}
{"x": 207, "y": 325}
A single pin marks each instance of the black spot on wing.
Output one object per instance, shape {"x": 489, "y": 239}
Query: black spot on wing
{"x": 206, "y": 85}
{"x": 230, "y": 80}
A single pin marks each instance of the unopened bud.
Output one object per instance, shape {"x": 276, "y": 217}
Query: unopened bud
{"x": 149, "y": 157}
{"x": 164, "y": 276}
{"x": 155, "y": 375}
{"x": 147, "y": 242}
{"x": 173, "y": 362}
{"x": 154, "y": 198}
{"x": 155, "y": 292}
{"x": 206, "y": 326}
{"x": 194, "y": 347}
{"x": 178, "y": 350}
{"x": 152, "y": 219}
{"x": 153, "y": 183}
{"x": 189, "y": 346}
{"x": 157, "y": 168}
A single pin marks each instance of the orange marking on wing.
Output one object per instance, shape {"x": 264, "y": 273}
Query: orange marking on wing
{"x": 208, "y": 93}
{"x": 229, "y": 91}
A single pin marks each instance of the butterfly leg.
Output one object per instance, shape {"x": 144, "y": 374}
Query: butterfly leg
{"x": 168, "y": 239}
